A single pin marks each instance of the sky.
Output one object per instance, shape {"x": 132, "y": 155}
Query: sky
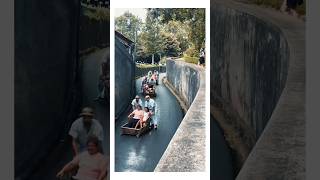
{"x": 141, "y": 13}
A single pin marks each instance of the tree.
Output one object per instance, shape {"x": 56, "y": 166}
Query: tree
{"x": 194, "y": 18}
{"x": 153, "y": 42}
{"x": 180, "y": 31}
{"x": 128, "y": 25}
{"x": 170, "y": 44}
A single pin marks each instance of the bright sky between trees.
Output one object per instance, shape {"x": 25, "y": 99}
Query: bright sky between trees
{"x": 141, "y": 13}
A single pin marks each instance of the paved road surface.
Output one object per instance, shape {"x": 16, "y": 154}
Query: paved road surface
{"x": 143, "y": 154}
{"x": 63, "y": 152}
{"x": 221, "y": 161}
{"x": 90, "y": 75}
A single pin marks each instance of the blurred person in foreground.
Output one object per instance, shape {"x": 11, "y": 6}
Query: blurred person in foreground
{"x": 90, "y": 164}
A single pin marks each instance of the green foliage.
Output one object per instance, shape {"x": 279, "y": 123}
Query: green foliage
{"x": 188, "y": 59}
{"x": 278, "y": 3}
{"x": 153, "y": 40}
{"x": 192, "y": 52}
{"x": 147, "y": 65}
{"x": 180, "y": 31}
{"x": 194, "y": 18}
{"x": 128, "y": 25}
{"x": 170, "y": 45}
{"x": 98, "y": 13}
{"x": 302, "y": 9}
{"x": 271, "y": 3}
{"x": 163, "y": 60}
{"x": 166, "y": 32}
{"x": 141, "y": 49}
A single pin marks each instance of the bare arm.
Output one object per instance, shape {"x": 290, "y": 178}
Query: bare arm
{"x": 104, "y": 170}
{"x": 67, "y": 168}
{"x": 74, "y": 146}
{"x": 131, "y": 114}
{"x": 103, "y": 174}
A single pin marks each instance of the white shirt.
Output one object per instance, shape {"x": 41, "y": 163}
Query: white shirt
{"x": 202, "y": 54}
{"x": 135, "y": 103}
{"x": 150, "y": 104}
{"x": 79, "y": 132}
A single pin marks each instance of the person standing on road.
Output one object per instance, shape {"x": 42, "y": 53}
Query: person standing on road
{"x": 135, "y": 102}
{"x": 84, "y": 127}
{"x": 202, "y": 57}
{"x": 151, "y": 105}
{"x": 101, "y": 87}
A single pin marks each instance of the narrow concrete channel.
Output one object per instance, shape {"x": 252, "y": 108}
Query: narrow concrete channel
{"x": 221, "y": 159}
{"x": 143, "y": 154}
{"x": 63, "y": 152}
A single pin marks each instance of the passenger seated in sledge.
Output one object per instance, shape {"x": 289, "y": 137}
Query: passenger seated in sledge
{"x": 152, "y": 82}
{"x": 146, "y": 115}
{"x": 154, "y": 76}
{"x": 145, "y": 80}
{"x": 90, "y": 164}
{"x": 146, "y": 88}
{"x": 135, "y": 116}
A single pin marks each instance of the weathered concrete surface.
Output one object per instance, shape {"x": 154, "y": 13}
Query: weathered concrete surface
{"x": 186, "y": 151}
{"x": 269, "y": 101}
{"x": 124, "y": 78}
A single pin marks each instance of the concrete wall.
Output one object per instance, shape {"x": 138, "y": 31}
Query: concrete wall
{"x": 186, "y": 150}
{"x": 249, "y": 65}
{"x": 46, "y": 81}
{"x": 124, "y": 78}
{"x": 257, "y": 88}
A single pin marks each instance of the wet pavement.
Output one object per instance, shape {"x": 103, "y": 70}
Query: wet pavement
{"x": 62, "y": 154}
{"x": 142, "y": 154}
{"x": 221, "y": 160}
{"x": 91, "y": 69}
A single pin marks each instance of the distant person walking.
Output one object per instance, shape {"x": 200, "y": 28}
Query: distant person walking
{"x": 202, "y": 57}
{"x": 84, "y": 127}
{"x": 101, "y": 87}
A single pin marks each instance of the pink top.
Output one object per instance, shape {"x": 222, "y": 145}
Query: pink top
{"x": 90, "y": 166}
{"x": 138, "y": 114}
{"x": 146, "y": 116}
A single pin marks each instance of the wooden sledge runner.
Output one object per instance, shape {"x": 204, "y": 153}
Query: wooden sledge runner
{"x": 125, "y": 130}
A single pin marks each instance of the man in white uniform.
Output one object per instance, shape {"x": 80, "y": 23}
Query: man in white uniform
{"x": 151, "y": 104}
{"x": 135, "y": 102}
{"x": 83, "y": 128}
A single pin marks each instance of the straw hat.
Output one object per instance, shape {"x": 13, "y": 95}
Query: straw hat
{"x": 87, "y": 111}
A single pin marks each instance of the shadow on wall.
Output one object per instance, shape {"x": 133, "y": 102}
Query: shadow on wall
{"x": 248, "y": 73}
{"x": 46, "y": 81}
{"x": 124, "y": 78}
